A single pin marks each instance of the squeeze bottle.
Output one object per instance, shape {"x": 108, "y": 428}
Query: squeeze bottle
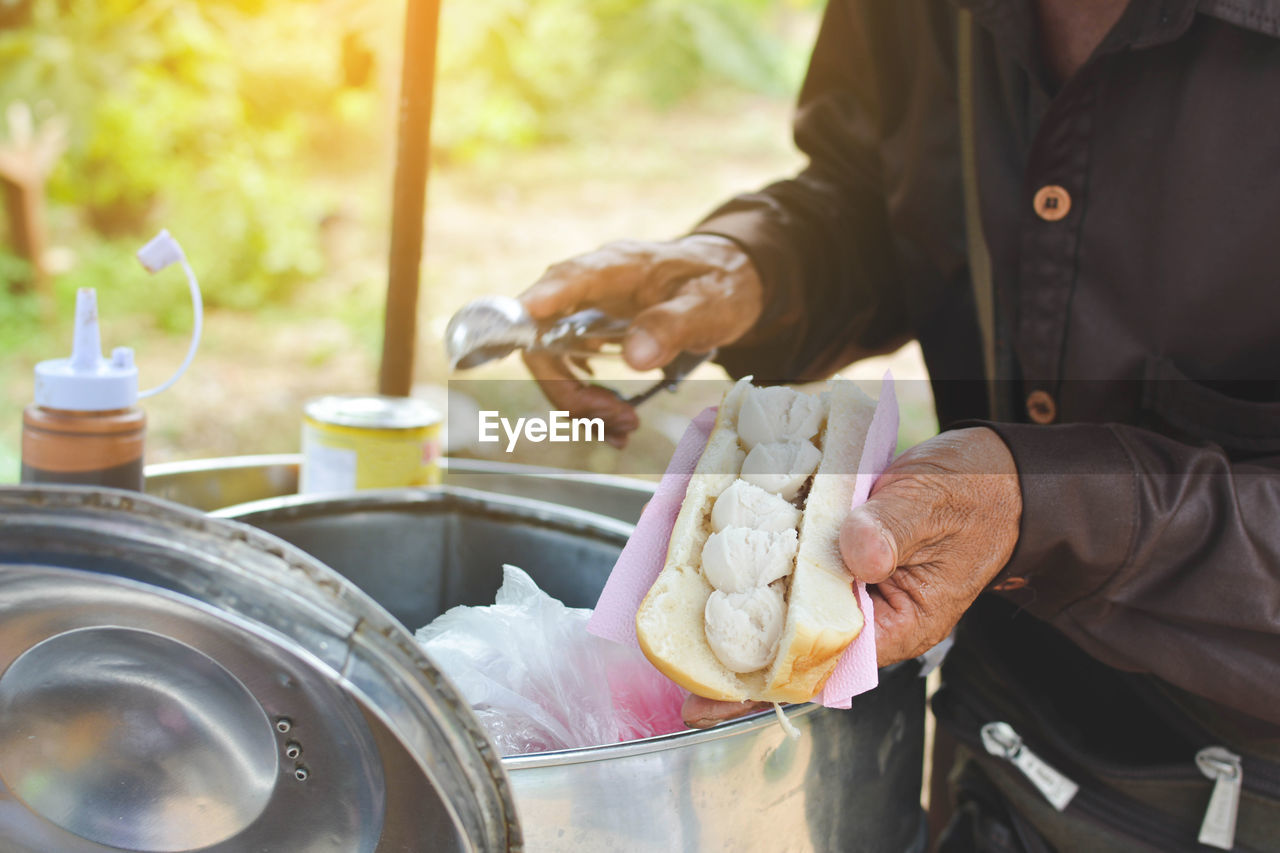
{"x": 85, "y": 425}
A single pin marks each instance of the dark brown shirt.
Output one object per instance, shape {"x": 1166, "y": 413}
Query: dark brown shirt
{"x": 1133, "y": 219}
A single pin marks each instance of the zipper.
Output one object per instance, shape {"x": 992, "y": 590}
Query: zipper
{"x": 1122, "y": 814}
{"x": 1003, "y": 742}
{"x": 1222, "y": 766}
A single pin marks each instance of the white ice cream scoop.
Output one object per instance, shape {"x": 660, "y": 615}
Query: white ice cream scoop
{"x": 779, "y": 414}
{"x": 743, "y": 628}
{"x": 745, "y": 505}
{"x": 781, "y": 467}
{"x": 738, "y": 559}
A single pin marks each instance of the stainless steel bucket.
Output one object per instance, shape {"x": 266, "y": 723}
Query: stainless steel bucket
{"x": 850, "y": 783}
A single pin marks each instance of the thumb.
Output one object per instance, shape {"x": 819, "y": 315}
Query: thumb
{"x": 660, "y": 332}
{"x": 877, "y": 537}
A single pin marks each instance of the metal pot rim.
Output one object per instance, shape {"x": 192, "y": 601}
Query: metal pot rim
{"x": 447, "y": 463}
{"x": 545, "y": 512}
{"x": 606, "y": 751}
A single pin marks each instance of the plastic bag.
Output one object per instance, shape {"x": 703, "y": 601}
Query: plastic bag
{"x": 538, "y": 681}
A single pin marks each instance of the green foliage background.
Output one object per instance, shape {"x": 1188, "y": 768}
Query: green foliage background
{"x": 521, "y": 71}
{"x": 231, "y": 121}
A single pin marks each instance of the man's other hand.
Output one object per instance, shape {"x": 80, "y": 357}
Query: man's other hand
{"x": 941, "y": 523}
{"x": 700, "y": 713}
{"x": 696, "y": 293}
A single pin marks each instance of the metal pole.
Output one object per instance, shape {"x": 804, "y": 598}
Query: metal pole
{"x": 409, "y": 195}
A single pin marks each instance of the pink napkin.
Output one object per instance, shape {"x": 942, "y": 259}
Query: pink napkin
{"x": 642, "y": 559}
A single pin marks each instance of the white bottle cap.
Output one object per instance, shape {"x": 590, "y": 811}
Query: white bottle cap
{"x": 87, "y": 382}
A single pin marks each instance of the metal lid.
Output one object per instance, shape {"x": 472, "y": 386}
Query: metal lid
{"x": 373, "y": 411}
{"x": 170, "y": 682}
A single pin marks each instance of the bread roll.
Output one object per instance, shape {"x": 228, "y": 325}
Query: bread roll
{"x": 821, "y": 614}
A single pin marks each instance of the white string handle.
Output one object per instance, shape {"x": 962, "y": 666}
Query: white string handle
{"x": 161, "y": 252}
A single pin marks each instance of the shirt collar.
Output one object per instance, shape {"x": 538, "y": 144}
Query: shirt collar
{"x": 1161, "y": 22}
{"x": 1262, "y": 16}
{"x": 1143, "y": 24}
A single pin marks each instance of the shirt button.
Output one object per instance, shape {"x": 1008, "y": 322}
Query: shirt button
{"x": 1052, "y": 203}
{"x": 1041, "y": 407}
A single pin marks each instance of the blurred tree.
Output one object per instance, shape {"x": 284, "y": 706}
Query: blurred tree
{"x": 27, "y": 155}
{"x": 14, "y": 13}
{"x": 520, "y": 71}
{"x": 357, "y": 61}
{"x": 242, "y": 124}
{"x": 194, "y": 116}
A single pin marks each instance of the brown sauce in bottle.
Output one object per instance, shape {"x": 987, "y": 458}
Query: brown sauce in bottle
{"x": 87, "y": 448}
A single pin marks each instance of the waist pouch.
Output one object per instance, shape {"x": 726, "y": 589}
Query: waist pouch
{"x": 1094, "y": 759}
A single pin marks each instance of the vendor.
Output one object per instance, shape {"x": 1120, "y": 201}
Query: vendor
{"x": 1102, "y": 516}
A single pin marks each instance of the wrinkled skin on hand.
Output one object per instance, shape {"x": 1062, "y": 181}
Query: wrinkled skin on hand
{"x": 941, "y": 523}
{"x": 696, "y": 293}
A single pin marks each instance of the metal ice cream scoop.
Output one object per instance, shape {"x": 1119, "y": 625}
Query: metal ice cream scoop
{"x": 493, "y": 327}
{"x": 487, "y": 329}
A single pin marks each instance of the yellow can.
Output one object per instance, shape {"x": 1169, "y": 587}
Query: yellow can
{"x": 368, "y": 442}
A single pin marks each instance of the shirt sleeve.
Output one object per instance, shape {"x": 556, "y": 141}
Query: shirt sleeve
{"x": 1153, "y": 556}
{"x": 821, "y": 240}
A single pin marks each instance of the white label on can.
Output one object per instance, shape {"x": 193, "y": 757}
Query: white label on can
{"x": 326, "y": 469}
